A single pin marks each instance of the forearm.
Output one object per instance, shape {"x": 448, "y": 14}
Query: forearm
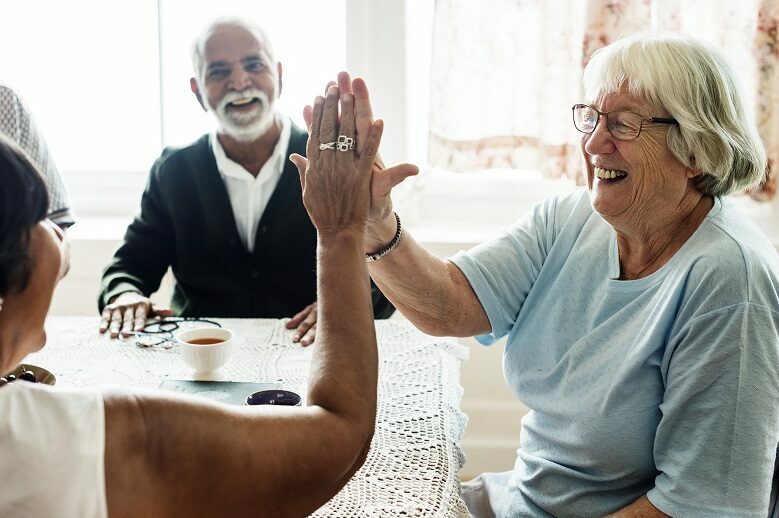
{"x": 431, "y": 292}
{"x": 641, "y": 508}
{"x": 156, "y": 446}
{"x": 138, "y": 265}
{"x": 344, "y": 366}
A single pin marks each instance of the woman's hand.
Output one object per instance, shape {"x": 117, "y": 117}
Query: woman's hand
{"x": 336, "y": 178}
{"x": 381, "y": 223}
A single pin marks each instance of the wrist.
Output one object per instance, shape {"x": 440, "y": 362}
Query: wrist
{"x": 390, "y": 246}
{"x": 380, "y": 232}
{"x": 345, "y": 237}
{"x": 124, "y": 294}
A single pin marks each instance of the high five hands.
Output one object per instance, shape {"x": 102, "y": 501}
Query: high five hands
{"x": 383, "y": 179}
{"x": 350, "y": 183}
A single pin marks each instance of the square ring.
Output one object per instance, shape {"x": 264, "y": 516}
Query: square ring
{"x": 345, "y": 143}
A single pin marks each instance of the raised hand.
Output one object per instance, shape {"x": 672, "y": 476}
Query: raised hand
{"x": 336, "y": 178}
{"x": 380, "y": 221}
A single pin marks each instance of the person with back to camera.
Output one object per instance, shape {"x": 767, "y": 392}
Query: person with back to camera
{"x": 16, "y": 123}
{"x": 642, "y": 312}
{"x": 225, "y": 212}
{"x": 118, "y": 453}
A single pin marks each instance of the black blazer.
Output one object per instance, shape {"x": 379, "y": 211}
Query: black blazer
{"x": 186, "y": 223}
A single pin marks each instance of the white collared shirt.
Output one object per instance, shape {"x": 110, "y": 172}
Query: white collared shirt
{"x": 249, "y": 195}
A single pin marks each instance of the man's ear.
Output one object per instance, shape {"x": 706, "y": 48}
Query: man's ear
{"x": 196, "y": 90}
{"x": 278, "y": 69}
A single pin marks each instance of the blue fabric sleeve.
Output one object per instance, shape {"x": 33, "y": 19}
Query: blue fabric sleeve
{"x": 502, "y": 271}
{"x": 716, "y": 442}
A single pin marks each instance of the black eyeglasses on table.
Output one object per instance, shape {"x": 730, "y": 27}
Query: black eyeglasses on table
{"x": 160, "y": 332}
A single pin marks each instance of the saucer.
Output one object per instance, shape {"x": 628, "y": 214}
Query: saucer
{"x": 41, "y": 375}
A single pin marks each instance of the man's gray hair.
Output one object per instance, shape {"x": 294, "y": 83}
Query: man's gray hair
{"x": 197, "y": 45}
{"x": 695, "y": 84}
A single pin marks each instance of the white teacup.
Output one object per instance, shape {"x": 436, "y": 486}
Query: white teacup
{"x": 205, "y": 349}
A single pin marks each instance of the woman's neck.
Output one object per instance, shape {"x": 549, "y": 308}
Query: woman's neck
{"x": 646, "y": 248}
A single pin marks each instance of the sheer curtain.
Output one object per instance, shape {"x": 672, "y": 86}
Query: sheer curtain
{"x": 505, "y": 72}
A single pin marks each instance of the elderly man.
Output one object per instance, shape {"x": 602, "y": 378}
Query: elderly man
{"x": 225, "y": 212}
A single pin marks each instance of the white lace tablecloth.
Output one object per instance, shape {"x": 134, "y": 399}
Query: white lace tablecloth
{"x": 412, "y": 468}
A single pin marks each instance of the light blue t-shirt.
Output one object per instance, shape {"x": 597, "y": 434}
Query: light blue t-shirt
{"x": 666, "y": 386}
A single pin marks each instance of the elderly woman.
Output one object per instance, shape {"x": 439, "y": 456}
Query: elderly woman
{"x": 641, "y": 312}
{"x": 90, "y": 454}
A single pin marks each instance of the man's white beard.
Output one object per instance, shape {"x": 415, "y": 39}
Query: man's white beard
{"x": 245, "y": 127}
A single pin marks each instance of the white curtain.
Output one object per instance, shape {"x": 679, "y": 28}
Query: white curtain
{"x": 506, "y": 72}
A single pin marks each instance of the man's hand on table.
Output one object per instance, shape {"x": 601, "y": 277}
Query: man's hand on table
{"x": 128, "y": 312}
{"x": 305, "y": 324}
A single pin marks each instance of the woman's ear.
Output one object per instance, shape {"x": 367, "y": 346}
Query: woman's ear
{"x": 693, "y": 170}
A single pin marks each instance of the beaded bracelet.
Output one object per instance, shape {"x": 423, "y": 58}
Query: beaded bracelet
{"x": 378, "y": 254}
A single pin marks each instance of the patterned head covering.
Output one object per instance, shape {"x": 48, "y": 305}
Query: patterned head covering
{"x": 17, "y": 124}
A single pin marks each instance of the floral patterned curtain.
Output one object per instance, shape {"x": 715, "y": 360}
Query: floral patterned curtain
{"x": 505, "y": 72}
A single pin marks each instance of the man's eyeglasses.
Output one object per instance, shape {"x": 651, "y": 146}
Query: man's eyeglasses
{"x": 621, "y": 124}
{"x": 160, "y": 332}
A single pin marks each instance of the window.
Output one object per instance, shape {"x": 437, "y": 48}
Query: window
{"x": 107, "y": 82}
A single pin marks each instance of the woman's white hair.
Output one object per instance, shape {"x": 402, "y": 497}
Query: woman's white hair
{"x": 694, "y": 83}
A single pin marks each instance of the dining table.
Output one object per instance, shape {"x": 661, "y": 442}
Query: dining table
{"x": 412, "y": 469}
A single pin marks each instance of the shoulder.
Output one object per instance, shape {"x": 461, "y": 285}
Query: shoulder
{"x": 565, "y": 212}
{"x": 177, "y": 160}
{"x": 65, "y": 487}
{"x": 22, "y": 400}
{"x": 730, "y": 259}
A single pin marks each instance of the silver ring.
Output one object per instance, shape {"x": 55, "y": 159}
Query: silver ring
{"x": 345, "y": 143}
{"x": 326, "y": 145}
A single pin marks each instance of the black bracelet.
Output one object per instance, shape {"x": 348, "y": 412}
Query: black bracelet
{"x": 378, "y": 254}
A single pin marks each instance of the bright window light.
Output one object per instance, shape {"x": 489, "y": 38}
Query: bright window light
{"x": 88, "y": 70}
{"x": 107, "y": 81}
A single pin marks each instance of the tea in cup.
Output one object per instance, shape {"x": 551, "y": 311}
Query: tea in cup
{"x": 205, "y": 349}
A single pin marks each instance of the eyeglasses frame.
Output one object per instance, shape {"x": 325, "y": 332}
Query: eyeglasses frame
{"x": 657, "y": 120}
{"x": 163, "y": 333}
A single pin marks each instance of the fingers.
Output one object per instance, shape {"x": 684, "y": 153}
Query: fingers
{"x": 116, "y": 322}
{"x": 309, "y": 337}
{"x": 299, "y": 316}
{"x": 344, "y": 82}
{"x": 127, "y": 314}
{"x": 346, "y": 130}
{"x": 327, "y": 126}
{"x": 161, "y": 312}
{"x": 327, "y": 130}
{"x": 328, "y": 85}
{"x": 129, "y": 318}
{"x": 312, "y": 148}
{"x": 301, "y": 163}
{"x": 306, "y": 331}
{"x": 308, "y": 115}
{"x": 392, "y": 176}
{"x": 105, "y": 319}
{"x": 363, "y": 113}
{"x": 372, "y": 145}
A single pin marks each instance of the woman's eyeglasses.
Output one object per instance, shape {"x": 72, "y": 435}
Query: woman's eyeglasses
{"x": 621, "y": 125}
